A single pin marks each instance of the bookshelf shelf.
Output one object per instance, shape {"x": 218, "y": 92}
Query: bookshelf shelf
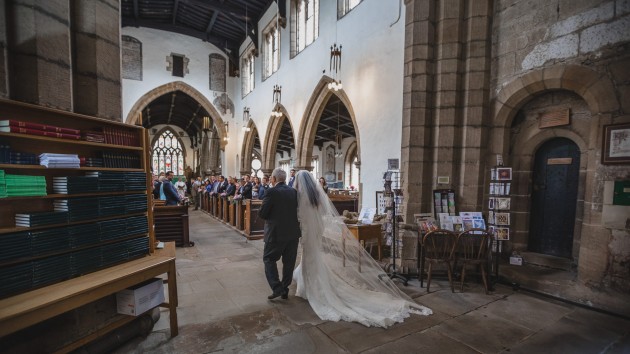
{"x": 78, "y": 195}
{"x": 76, "y": 249}
{"x": 39, "y": 167}
{"x": 8, "y": 230}
{"x": 49, "y": 140}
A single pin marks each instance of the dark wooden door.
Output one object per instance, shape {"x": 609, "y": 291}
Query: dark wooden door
{"x": 554, "y": 198}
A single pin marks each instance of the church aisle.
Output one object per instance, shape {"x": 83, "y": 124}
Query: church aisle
{"x": 223, "y": 307}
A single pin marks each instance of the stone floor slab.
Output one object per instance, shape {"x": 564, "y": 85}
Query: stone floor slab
{"x": 484, "y": 333}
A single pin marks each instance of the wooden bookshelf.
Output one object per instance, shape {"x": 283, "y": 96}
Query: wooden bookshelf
{"x": 127, "y": 261}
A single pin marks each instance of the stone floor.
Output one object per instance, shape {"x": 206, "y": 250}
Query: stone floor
{"x": 223, "y": 308}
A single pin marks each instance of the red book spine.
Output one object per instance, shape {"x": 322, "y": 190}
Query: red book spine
{"x": 30, "y": 125}
{"x": 25, "y": 131}
{"x": 13, "y": 129}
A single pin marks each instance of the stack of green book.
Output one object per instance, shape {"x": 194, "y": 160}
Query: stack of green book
{"x": 3, "y": 185}
{"x": 25, "y": 186}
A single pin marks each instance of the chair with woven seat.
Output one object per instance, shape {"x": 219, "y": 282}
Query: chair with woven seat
{"x": 472, "y": 249}
{"x": 438, "y": 246}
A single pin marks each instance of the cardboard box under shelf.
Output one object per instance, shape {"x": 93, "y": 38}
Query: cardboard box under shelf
{"x": 140, "y": 298}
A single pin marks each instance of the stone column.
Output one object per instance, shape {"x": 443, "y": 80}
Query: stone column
{"x": 445, "y": 95}
{"x": 38, "y": 36}
{"x": 96, "y": 72}
{"x": 418, "y": 98}
{"x": 215, "y": 148}
{"x": 204, "y": 153}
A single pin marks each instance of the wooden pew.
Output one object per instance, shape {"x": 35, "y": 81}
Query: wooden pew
{"x": 254, "y": 226}
{"x": 171, "y": 224}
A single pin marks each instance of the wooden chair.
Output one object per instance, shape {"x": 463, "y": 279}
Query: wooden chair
{"x": 472, "y": 249}
{"x": 438, "y": 246}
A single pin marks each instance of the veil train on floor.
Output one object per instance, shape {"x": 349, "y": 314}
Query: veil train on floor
{"x": 328, "y": 274}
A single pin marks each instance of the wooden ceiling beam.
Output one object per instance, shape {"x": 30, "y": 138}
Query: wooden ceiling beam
{"x": 175, "y": 6}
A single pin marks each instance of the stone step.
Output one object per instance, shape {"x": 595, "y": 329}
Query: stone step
{"x": 546, "y": 260}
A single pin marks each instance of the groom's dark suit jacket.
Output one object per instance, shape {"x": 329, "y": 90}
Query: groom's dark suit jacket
{"x": 279, "y": 209}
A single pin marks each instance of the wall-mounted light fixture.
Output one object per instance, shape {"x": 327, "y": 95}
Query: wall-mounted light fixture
{"x": 335, "y": 67}
{"x": 246, "y": 119}
{"x": 206, "y": 124}
{"x": 277, "y": 98}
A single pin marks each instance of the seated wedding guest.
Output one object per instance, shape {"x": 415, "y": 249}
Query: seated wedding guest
{"x": 322, "y": 182}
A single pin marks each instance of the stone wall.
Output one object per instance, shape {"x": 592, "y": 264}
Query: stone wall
{"x": 582, "y": 47}
{"x": 38, "y": 36}
{"x": 471, "y": 93}
{"x": 96, "y": 68}
{"x": 63, "y": 54}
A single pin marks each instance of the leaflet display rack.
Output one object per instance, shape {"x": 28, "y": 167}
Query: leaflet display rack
{"x": 499, "y": 205}
{"x": 443, "y": 202}
{"x": 392, "y": 195}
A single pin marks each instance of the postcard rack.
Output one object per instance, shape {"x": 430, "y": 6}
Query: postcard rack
{"x": 499, "y": 205}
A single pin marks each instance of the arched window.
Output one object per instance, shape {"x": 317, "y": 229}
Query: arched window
{"x": 168, "y": 154}
{"x": 256, "y": 164}
{"x": 352, "y": 172}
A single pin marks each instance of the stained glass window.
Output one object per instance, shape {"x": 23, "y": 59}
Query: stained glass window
{"x": 168, "y": 154}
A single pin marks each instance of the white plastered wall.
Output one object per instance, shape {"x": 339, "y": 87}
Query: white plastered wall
{"x": 371, "y": 73}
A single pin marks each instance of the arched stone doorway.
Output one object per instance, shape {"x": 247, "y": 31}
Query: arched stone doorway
{"x": 279, "y": 142}
{"x": 555, "y": 179}
{"x": 517, "y": 135}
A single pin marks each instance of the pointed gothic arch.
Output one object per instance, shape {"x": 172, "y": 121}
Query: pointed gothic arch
{"x": 247, "y": 148}
{"x": 310, "y": 121}
{"x": 272, "y": 135}
{"x": 134, "y": 114}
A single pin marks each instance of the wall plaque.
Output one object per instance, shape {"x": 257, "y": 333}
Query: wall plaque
{"x": 554, "y": 118}
{"x": 560, "y": 161}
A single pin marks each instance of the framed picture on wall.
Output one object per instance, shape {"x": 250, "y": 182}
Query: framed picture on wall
{"x": 504, "y": 173}
{"x": 616, "y": 149}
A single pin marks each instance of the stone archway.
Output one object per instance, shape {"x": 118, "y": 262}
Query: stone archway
{"x": 598, "y": 93}
{"x": 134, "y": 114}
{"x": 247, "y": 147}
{"x": 271, "y": 141}
{"x": 596, "y": 89}
{"x": 310, "y": 121}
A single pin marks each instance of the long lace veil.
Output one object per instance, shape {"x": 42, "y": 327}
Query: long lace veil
{"x": 325, "y": 233}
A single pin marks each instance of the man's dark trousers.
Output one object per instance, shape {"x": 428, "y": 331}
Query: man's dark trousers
{"x": 273, "y": 251}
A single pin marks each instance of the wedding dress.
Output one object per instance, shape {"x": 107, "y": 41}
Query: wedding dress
{"x": 336, "y": 291}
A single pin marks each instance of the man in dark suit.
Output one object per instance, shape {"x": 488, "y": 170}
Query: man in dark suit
{"x": 172, "y": 197}
{"x": 282, "y": 233}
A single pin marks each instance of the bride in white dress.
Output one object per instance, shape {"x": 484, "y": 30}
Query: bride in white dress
{"x": 334, "y": 291}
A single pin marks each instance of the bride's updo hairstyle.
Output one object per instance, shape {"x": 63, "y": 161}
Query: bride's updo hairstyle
{"x": 306, "y": 182}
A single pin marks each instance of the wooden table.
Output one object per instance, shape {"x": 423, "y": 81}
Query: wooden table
{"x": 363, "y": 233}
{"x": 24, "y": 310}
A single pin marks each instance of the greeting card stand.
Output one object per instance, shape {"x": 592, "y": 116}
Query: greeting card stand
{"x": 499, "y": 205}
{"x": 392, "y": 195}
